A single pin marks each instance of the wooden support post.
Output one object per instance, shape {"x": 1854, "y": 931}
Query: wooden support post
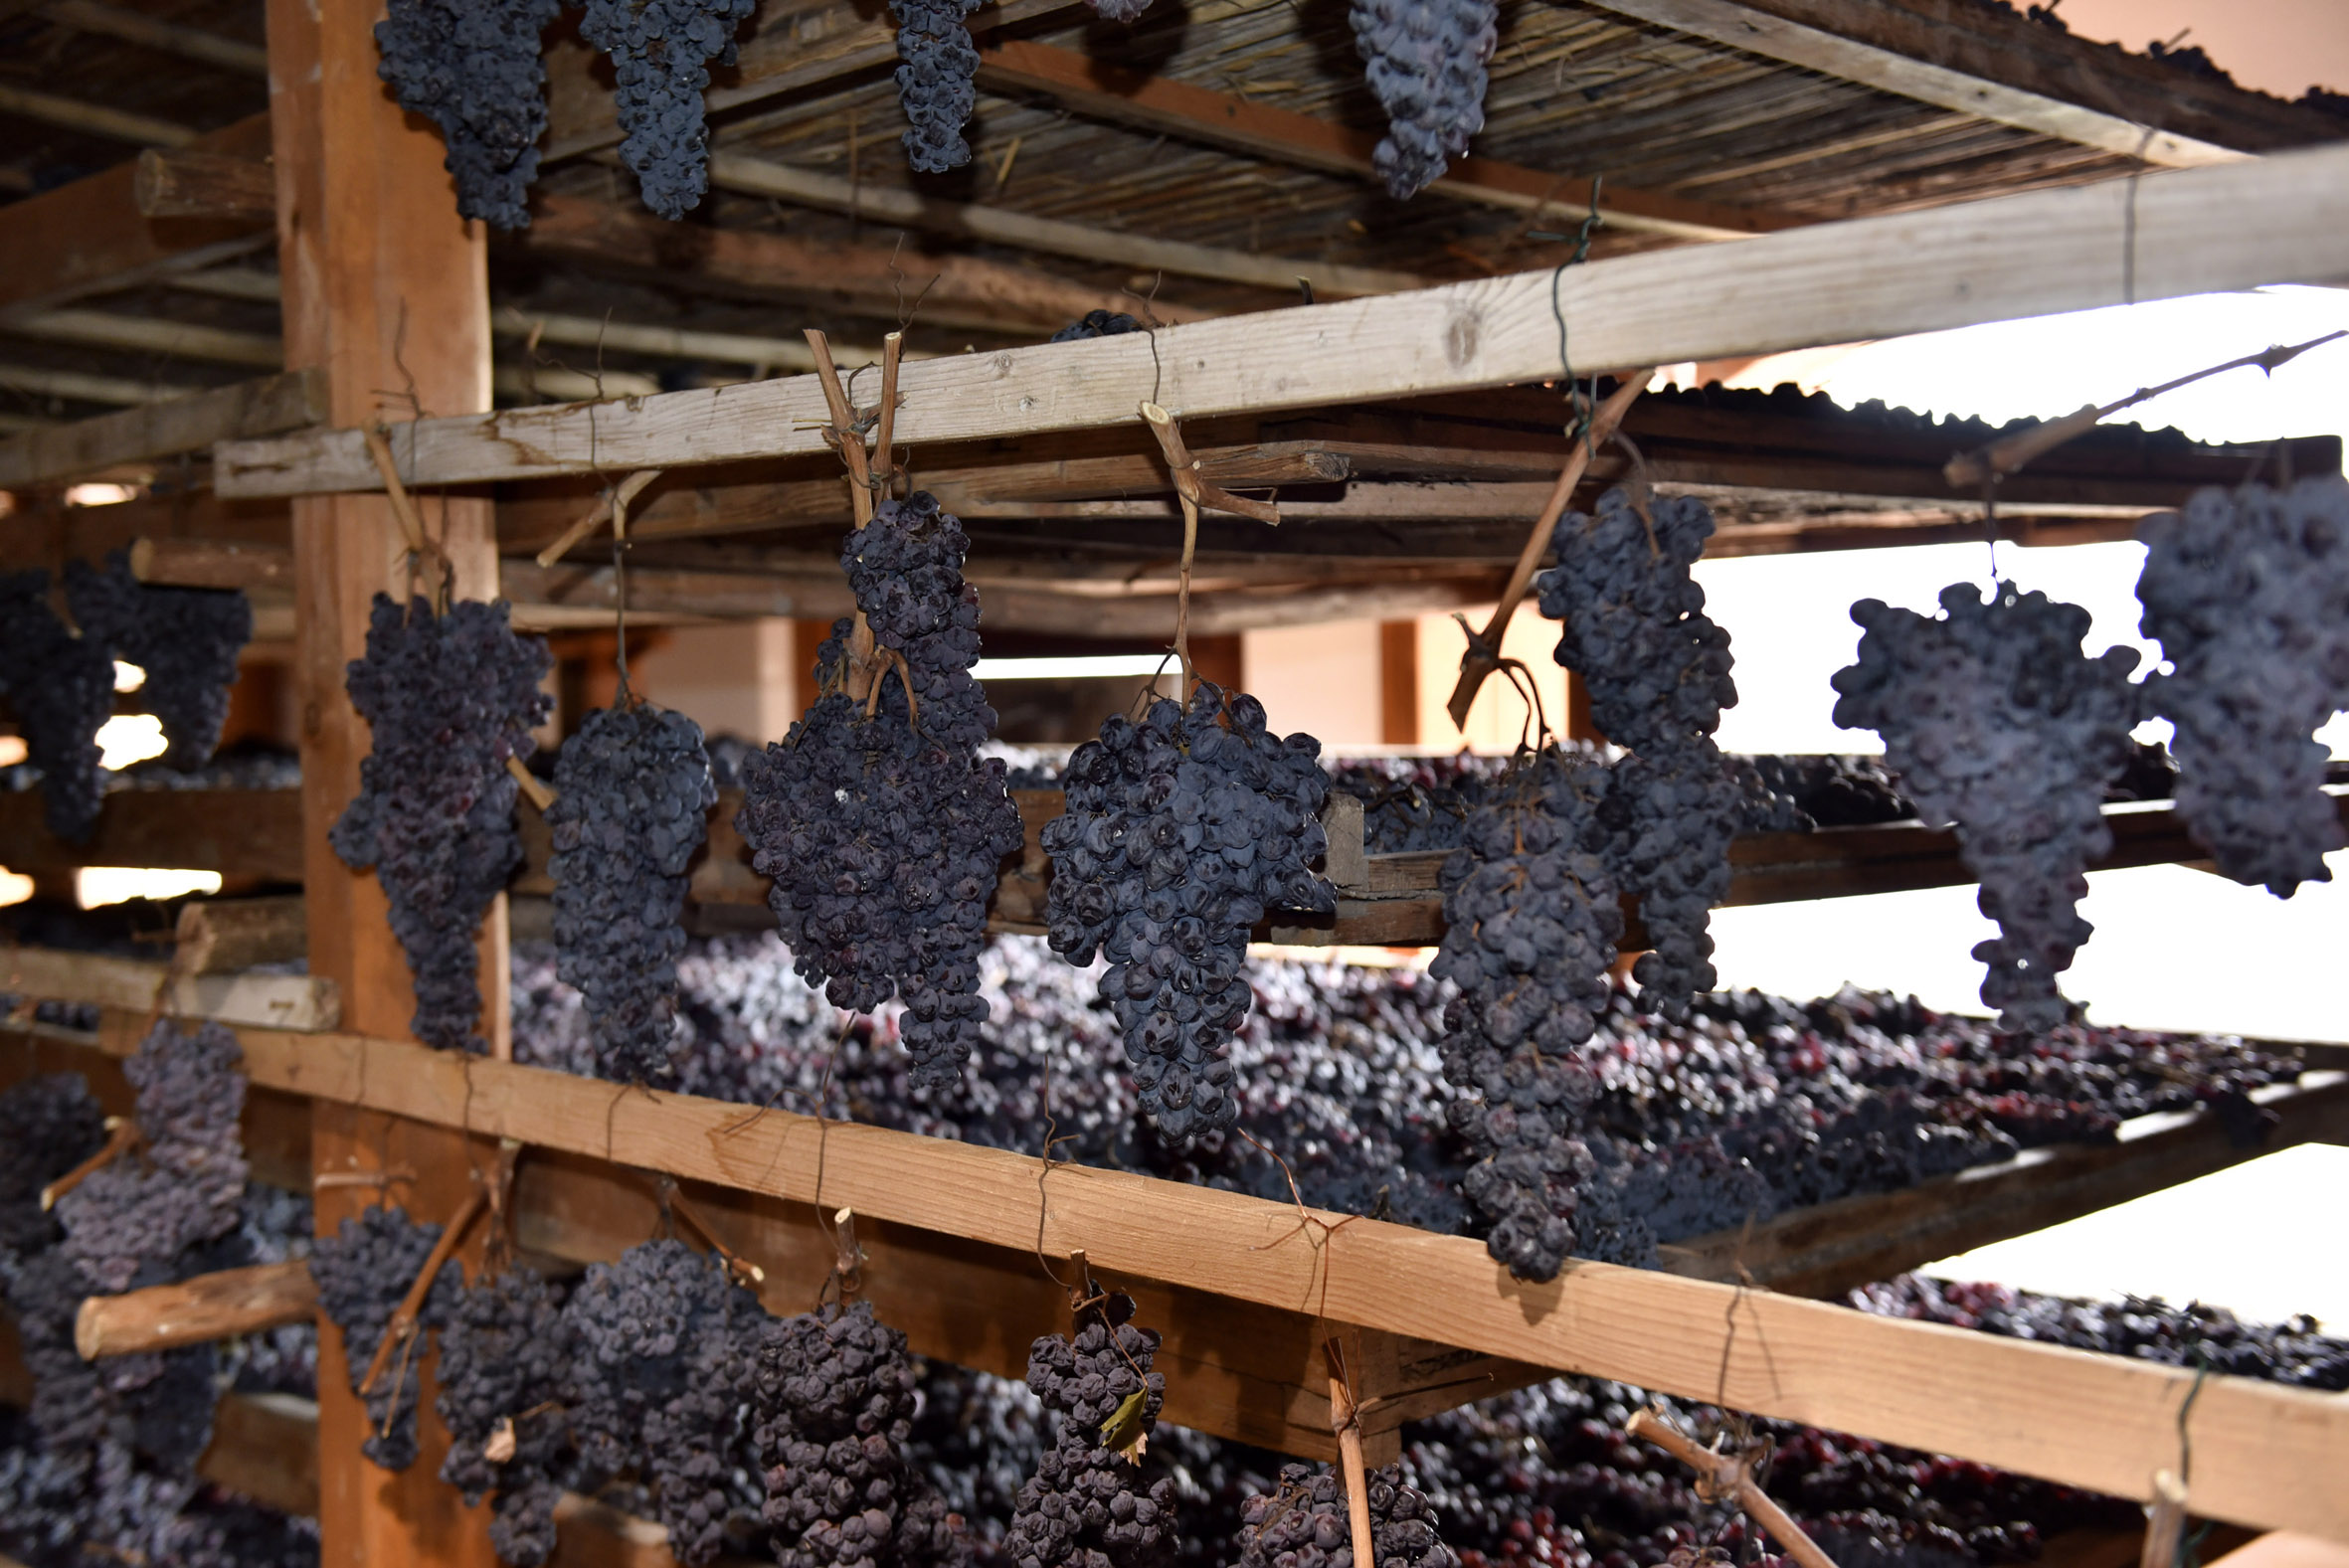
{"x": 387, "y": 290}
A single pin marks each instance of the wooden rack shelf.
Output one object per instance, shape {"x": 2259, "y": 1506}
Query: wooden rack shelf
{"x": 2263, "y": 1454}
{"x": 1390, "y": 902}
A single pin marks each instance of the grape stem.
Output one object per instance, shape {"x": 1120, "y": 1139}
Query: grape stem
{"x": 1483, "y": 655}
{"x": 1346, "y": 1420}
{"x": 122, "y": 1136}
{"x": 402, "y": 1328}
{"x": 1721, "y": 1476}
{"x": 1194, "y": 492}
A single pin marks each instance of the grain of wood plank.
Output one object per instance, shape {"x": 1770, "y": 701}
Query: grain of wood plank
{"x": 2264, "y": 1455}
{"x": 2274, "y": 219}
{"x": 163, "y": 430}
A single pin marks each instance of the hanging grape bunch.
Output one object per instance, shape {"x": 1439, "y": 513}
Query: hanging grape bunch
{"x": 936, "y": 85}
{"x": 1303, "y": 1523}
{"x": 61, "y": 688}
{"x": 449, "y": 699}
{"x": 48, "y": 1126}
{"x": 1181, "y": 832}
{"x": 834, "y": 1392}
{"x": 1657, "y": 669}
{"x": 1993, "y": 718}
{"x": 2248, "y": 592}
{"x": 884, "y": 831}
{"x": 1532, "y": 920}
{"x": 659, "y": 1352}
{"x": 1087, "y": 1506}
{"x": 472, "y": 67}
{"x": 501, "y": 1381}
{"x": 1425, "y": 61}
{"x": 661, "y": 53}
{"x": 186, "y": 640}
{"x": 632, "y": 790}
{"x": 363, "y": 1272}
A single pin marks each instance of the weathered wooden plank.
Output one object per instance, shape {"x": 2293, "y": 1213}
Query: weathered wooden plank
{"x": 2274, "y": 219}
{"x": 2262, "y": 1453}
{"x": 196, "y": 1311}
{"x": 163, "y": 430}
{"x": 210, "y": 185}
{"x": 248, "y": 833}
{"x": 283, "y": 1001}
{"x": 2000, "y": 66}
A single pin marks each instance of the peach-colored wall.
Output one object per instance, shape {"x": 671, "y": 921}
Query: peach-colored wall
{"x": 729, "y": 679}
{"x": 1498, "y": 716}
{"x": 1323, "y": 680}
{"x": 2283, "y": 47}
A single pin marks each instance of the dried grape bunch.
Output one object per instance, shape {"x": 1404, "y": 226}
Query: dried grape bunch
{"x": 1087, "y": 1506}
{"x": 1425, "y": 61}
{"x": 48, "y": 1125}
{"x": 936, "y": 85}
{"x": 1993, "y": 718}
{"x": 501, "y": 1378}
{"x": 660, "y": 1349}
{"x": 61, "y": 688}
{"x": 2248, "y": 592}
{"x": 186, "y": 640}
{"x": 1102, "y": 323}
{"x": 1303, "y": 1523}
{"x": 1532, "y": 920}
{"x": 1657, "y": 669}
{"x": 661, "y": 53}
{"x": 364, "y": 1271}
{"x": 834, "y": 1392}
{"x": 1181, "y": 832}
{"x": 184, "y": 1186}
{"x": 631, "y": 791}
{"x": 449, "y": 699}
{"x": 472, "y": 67}
{"x": 878, "y": 820}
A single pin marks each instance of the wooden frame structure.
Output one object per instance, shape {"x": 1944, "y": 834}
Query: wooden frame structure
{"x": 379, "y": 286}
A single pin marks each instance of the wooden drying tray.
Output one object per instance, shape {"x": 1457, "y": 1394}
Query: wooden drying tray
{"x": 1383, "y": 900}
{"x": 2264, "y": 1455}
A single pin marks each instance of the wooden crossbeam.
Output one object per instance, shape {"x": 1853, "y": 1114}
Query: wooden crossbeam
{"x": 1101, "y": 89}
{"x": 2263, "y": 1454}
{"x": 285, "y": 1001}
{"x": 752, "y": 176}
{"x": 96, "y": 237}
{"x": 162, "y": 429}
{"x": 2276, "y": 218}
{"x": 1958, "y": 54}
{"x": 859, "y": 280}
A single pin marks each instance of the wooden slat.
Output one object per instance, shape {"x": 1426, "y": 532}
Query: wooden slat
{"x": 196, "y": 1311}
{"x": 750, "y": 176}
{"x": 2263, "y": 1454}
{"x": 1099, "y": 89}
{"x": 855, "y": 279}
{"x": 1828, "y": 1249}
{"x": 163, "y": 430}
{"x": 209, "y": 185}
{"x": 2274, "y": 219}
{"x": 2002, "y": 66}
{"x": 246, "y": 832}
{"x": 285, "y": 1001}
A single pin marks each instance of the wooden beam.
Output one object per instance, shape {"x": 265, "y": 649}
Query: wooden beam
{"x": 99, "y": 238}
{"x": 225, "y": 935}
{"x": 858, "y": 280}
{"x": 170, "y": 38}
{"x": 2263, "y": 1454}
{"x": 749, "y": 176}
{"x": 163, "y": 430}
{"x": 2274, "y": 219}
{"x": 1100, "y": 90}
{"x": 1960, "y": 55}
{"x": 81, "y": 386}
{"x": 190, "y": 184}
{"x": 93, "y": 120}
{"x": 196, "y": 1311}
{"x": 285, "y": 1001}
{"x": 386, "y": 288}
{"x": 154, "y": 335}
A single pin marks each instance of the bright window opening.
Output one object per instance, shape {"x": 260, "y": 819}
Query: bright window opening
{"x": 128, "y": 677}
{"x": 96, "y": 885}
{"x": 15, "y": 887}
{"x": 129, "y": 738}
